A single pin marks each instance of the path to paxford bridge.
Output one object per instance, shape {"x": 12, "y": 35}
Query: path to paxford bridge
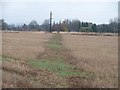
{"x": 58, "y": 59}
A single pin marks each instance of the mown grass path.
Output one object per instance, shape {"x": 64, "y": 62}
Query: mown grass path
{"x": 57, "y": 59}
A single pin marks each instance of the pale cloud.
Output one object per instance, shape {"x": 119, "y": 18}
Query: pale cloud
{"x": 59, "y": 0}
{"x": 19, "y": 11}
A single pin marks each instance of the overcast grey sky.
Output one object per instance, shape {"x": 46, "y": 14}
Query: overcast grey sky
{"x": 23, "y": 11}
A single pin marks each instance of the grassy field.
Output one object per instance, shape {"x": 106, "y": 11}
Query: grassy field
{"x": 98, "y": 54}
{"x": 40, "y": 60}
{"x": 23, "y": 45}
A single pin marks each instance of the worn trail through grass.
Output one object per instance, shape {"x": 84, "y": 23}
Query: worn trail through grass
{"x": 19, "y": 73}
{"x": 53, "y": 68}
{"x": 57, "y": 59}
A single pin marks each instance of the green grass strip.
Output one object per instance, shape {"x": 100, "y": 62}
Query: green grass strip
{"x": 59, "y": 67}
{"x": 54, "y": 42}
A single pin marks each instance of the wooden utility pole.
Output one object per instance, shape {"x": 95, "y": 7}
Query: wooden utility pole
{"x": 50, "y": 21}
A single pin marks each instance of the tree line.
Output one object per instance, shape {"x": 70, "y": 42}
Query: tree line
{"x": 65, "y": 26}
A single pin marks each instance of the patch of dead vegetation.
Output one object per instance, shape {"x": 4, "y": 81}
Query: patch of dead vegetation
{"x": 25, "y": 76}
{"x": 98, "y": 54}
{"x": 18, "y": 48}
{"x": 24, "y": 45}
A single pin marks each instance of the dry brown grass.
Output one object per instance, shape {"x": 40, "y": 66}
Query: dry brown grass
{"x": 17, "y": 73}
{"x": 25, "y": 76}
{"x": 98, "y": 54}
{"x": 23, "y": 45}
